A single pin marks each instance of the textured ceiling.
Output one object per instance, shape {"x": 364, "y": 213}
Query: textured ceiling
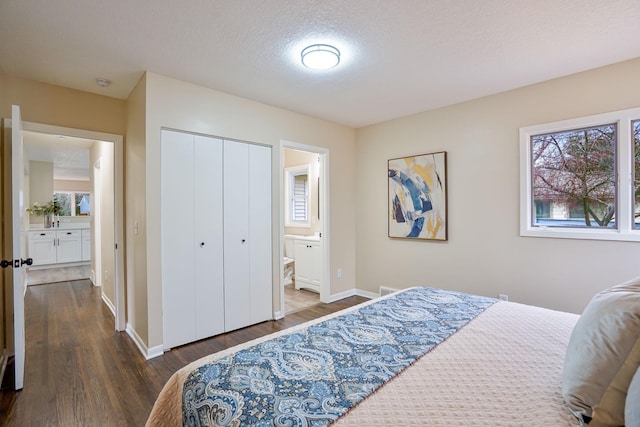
{"x": 70, "y": 156}
{"x": 398, "y": 57}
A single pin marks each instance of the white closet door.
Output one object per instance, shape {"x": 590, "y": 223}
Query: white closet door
{"x": 208, "y": 244}
{"x": 237, "y": 286}
{"x": 260, "y": 232}
{"x": 177, "y": 240}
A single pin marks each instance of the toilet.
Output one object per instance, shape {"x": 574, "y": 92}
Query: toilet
{"x": 288, "y": 259}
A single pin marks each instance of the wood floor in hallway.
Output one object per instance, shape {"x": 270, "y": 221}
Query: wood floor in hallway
{"x": 81, "y": 372}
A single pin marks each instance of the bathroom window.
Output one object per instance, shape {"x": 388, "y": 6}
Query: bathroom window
{"x": 297, "y": 185}
{"x": 73, "y": 203}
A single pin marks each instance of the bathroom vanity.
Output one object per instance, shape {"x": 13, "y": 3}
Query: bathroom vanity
{"x": 54, "y": 246}
{"x": 308, "y": 263}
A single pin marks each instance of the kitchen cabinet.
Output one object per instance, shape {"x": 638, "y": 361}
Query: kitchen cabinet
{"x": 308, "y": 259}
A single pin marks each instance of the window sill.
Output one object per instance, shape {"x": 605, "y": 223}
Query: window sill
{"x": 582, "y": 234}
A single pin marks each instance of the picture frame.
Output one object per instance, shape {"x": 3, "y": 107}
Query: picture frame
{"x": 417, "y": 197}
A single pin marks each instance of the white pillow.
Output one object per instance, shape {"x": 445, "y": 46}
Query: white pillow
{"x": 603, "y": 355}
{"x": 632, "y": 407}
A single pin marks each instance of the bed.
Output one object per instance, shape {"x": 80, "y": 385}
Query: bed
{"x": 420, "y": 357}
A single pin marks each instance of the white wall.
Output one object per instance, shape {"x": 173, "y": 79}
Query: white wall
{"x": 485, "y": 254}
{"x": 183, "y": 106}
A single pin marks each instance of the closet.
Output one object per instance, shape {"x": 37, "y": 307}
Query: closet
{"x": 216, "y": 236}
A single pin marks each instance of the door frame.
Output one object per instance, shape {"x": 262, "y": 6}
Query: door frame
{"x": 323, "y": 153}
{"x": 118, "y": 202}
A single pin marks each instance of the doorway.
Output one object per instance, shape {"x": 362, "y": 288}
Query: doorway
{"x": 106, "y": 152}
{"x": 304, "y": 234}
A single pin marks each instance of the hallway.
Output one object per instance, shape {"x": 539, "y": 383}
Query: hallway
{"x": 77, "y": 366}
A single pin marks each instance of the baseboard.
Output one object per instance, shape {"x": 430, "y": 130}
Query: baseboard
{"x": 366, "y": 294}
{"x": 277, "y": 315}
{"x": 147, "y": 353}
{"x": 109, "y": 304}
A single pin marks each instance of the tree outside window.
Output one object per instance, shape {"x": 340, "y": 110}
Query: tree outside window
{"x": 574, "y": 172}
{"x": 73, "y": 204}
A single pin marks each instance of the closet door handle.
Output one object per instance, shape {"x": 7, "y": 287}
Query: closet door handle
{"x": 244, "y": 240}
{"x": 201, "y": 244}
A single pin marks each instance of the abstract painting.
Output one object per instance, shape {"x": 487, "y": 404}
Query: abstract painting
{"x": 418, "y": 197}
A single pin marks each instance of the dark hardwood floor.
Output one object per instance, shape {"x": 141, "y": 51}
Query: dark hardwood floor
{"x": 80, "y": 372}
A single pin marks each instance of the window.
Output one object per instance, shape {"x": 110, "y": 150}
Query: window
{"x": 297, "y": 185}
{"x": 72, "y": 203}
{"x": 575, "y": 178}
{"x": 636, "y": 175}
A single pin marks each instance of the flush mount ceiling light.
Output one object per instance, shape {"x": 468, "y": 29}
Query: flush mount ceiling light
{"x": 102, "y": 82}
{"x": 320, "y": 56}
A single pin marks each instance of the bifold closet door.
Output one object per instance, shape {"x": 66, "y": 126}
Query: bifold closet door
{"x": 209, "y": 245}
{"x": 191, "y": 227}
{"x": 247, "y": 234}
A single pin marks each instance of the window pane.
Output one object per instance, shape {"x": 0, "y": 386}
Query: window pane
{"x": 63, "y": 200}
{"x": 636, "y": 167}
{"x": 574, "y": 172}
{"x": 82, "y": 204}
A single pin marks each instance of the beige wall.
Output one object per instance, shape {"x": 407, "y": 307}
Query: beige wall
{"x": 71, "y": 185}
{"x": 485, "y": 253}
{"x": 40, "y": 182}
{"x": 135, "y": 212}
{"x": 59, "y": 106}
{"x": 183, "y": 106}
{"x": 302, "y": 158}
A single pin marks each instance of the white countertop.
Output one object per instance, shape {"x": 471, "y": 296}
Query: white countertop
{"x": 63, "y": 226}
{"x": 314, "y": 237}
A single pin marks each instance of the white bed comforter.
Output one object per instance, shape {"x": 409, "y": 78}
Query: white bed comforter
{"x": 502, "y": 369}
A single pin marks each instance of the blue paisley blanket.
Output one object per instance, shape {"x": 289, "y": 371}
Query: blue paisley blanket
{"x": 314, "y": 375}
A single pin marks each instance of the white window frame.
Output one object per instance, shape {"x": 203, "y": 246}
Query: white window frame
{"x": 624, "y": 230}
{"x": 290, "y": 174}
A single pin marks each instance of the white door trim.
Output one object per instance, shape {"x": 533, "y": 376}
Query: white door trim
{"x": 117, "y": 140}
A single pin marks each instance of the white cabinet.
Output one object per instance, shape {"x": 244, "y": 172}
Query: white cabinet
{"x": 69, "y": 245}
{"x": 86, "y": 245}
{"x": 42, "y": 247}
{"x": 308, "y": 256}
{"x": 55, "y": 246}
{"x": 216, "y": 270}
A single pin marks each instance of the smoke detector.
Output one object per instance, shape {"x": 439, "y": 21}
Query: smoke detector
{"x": 102, "y": 82}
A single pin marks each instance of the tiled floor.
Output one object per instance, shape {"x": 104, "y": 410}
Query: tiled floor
{"x": 58, "y": 274}
{"x": 295, "y": 300}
